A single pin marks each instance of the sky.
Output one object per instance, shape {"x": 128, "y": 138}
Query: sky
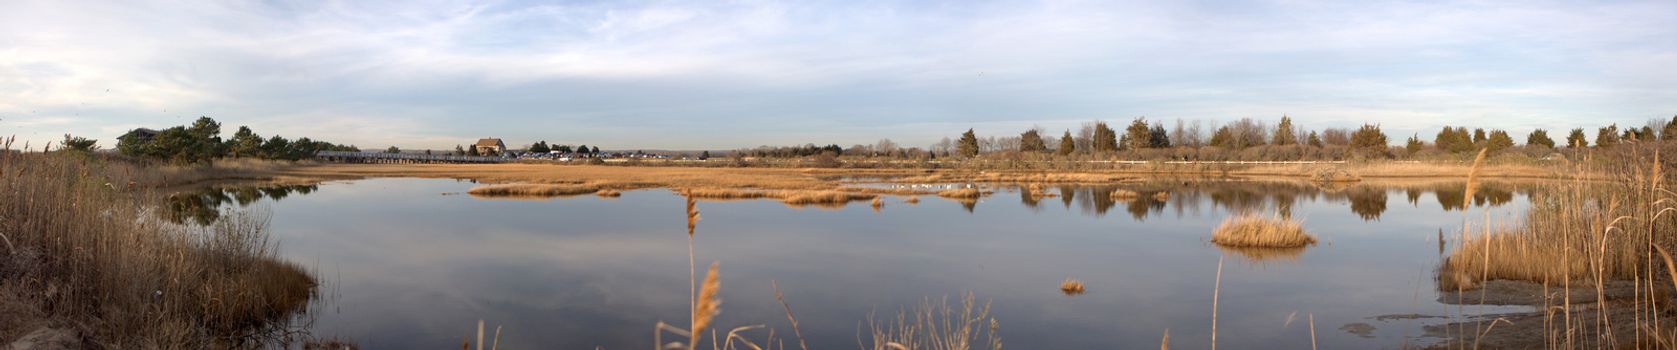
{"x": 732, "y": 74}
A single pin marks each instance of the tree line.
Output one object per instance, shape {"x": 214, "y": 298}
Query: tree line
{"x": 201, "y": 142}
{"x": 1243, "y": 139}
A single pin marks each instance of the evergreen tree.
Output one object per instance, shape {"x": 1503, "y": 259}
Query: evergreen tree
{"x": 1498, "y": 141}
{"x": 1478, "y": 137}
{"x": 1106, "y": 140}
{"x": 1031, "y": 141}
{"x": 459, "y": 150}
{"x": 472, "y": 151}
{"x": 1314, "y": 141}
{"x": 1067, "y": 144}
{"x": 1370, "y": 139}
{"x": 245, "y": 143}
{"x": 1670, "y": 131}
{"x": 1540, "y": 137}
{"x": 1576, "y": 139}
{"x": 1415, "y": 145}
{"x": 540, "y": 147}
{"x": 79, "y": 144}
{"x": 1137, "y": 136}
{"x": 968, "y": 145}
{"x": 1284, "y": 134}
{"x": 1607, "y": 136}
{"x": 1159, "y": 138}
{"x": 393, "y": 150}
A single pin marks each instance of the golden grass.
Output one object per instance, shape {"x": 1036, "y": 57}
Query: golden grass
{"x": 1123, "y": 194}
{"x": 608, "y": 193}
{"x": 961, "y": 193}
{"x": 533, "y": 190}
{"x": 912, "y": 200}
{"x": 878, "y": 203}
{"x": 1249, "y": 230}
{"x": 709, "y": 304}
{"x": 99, "y": 260}
{"x": 1071, "y": 286}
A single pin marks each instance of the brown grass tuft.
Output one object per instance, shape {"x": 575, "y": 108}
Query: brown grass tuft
{"x": 1248, "y": 230}
{"x": 608, "y": 193}
{"x": 912, "y": 200}
{"x": 961, "y": 193}
{"x": 1071, "y": 286}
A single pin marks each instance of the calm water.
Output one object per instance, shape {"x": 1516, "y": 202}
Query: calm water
{"x": 411, "y": 263}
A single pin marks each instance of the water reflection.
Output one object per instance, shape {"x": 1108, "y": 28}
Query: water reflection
{"x": 1367, "y": 201}
{"x": 204, "y": 206}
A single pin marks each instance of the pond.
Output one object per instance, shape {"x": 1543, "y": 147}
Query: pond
{"x": 415, "y": 263}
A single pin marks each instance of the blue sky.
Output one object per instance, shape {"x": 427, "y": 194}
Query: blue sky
{"x": 728, "y": 74}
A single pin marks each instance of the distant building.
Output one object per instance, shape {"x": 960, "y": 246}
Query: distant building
{"x": 490, "y": 146}
{"x": 140, "y": 135}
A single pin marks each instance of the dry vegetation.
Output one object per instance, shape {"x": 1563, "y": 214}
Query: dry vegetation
{"x": 85, "y": 252}
{"x": 1250, "y": 230}
{"x": 1071, "y": 286}
{"x": 1580, "y": 243}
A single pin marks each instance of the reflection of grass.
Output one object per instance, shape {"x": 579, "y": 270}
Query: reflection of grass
{"x": 1264, "y": 254}
{"x": 1249, "y": 230}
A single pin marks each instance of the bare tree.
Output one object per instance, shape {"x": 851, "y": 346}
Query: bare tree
{"x": 943, "y": 147}
{"x": 885, "y": 147}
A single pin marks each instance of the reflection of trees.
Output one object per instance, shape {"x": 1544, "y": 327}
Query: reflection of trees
{"x": 203, "y": 207}
{"x": 1367, "y": 202}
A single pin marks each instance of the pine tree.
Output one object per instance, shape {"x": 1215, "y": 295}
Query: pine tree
{"x": 1159, "y": 138}
{"x": 1415, "y": 145}
{"x": 1607, "y": 136}
{"x": 968, "y": 145}
{"x": 1031, "y": 141}
{"x": 1498, "y": 141}
{"x": 1106, "y": 140}
{"x": 1576, "y": 139}
{"x": 1369, "y": 138}
{"x": 1540, "y": 137}
{"x": 1137, "y": 136}
{"x": 1067, "y": 145}
{"x": 1314, "y": 141}
{"x": 1284, "y": 134}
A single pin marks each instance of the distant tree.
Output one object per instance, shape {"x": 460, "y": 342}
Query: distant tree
{"x": 472, "y": 151}
{"x": 582, "y": 149}
{"x": 245, "y": 143}
{"x": 1336, "y": 136}
{"x": 1540, "y": 137}
{"x": 427, "y": 151}
{"x": 1313, "y": 140}
{"x": 1498, "y": 141}
{"x": 1031, "y": 141}
{"x": 459, "y": 150}
{"x": 968, "y": 144}
{"x": 277, "y": 147}
{"x": 562, "y": 149}
{"x": 1222, "y": 138}
{"x": 704, "y": 155}
{"x": 1067, "y": 144}
{"x": 1455, "y": 140}
{"x": 1105, "y": 139}
{"x": 1414, "y": 145}
{"x": 393, "y": 150}
{"x": 1670, "y": 131}
{"x": 1478, "y": 137}
{"x": 540, "y": 147}
{"x": 80, "y": 144}
{"x": 1369, "y": 138}
{"x": 1137, "y": 136}
{"x": 595, "y": 150}
{"x": 1607, "y": 136}
{"x": 1158, "y": 137}
{"x": 1576, "y": 139}
{"x": 1284, "y": 134}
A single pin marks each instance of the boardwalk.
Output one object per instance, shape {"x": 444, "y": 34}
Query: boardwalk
{"x": 381, "y": 157}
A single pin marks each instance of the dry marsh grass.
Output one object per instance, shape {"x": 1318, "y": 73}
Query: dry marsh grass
{"x": 1579, "y": 242}
{"x": 95, "y": 257}
{"x": 935, "y": 325}
{"x": 961, "y": 193}
{"x": 1071, "y": 286}
{"x": 1250, "y": 230}
{"x": 1123, "y": 194}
